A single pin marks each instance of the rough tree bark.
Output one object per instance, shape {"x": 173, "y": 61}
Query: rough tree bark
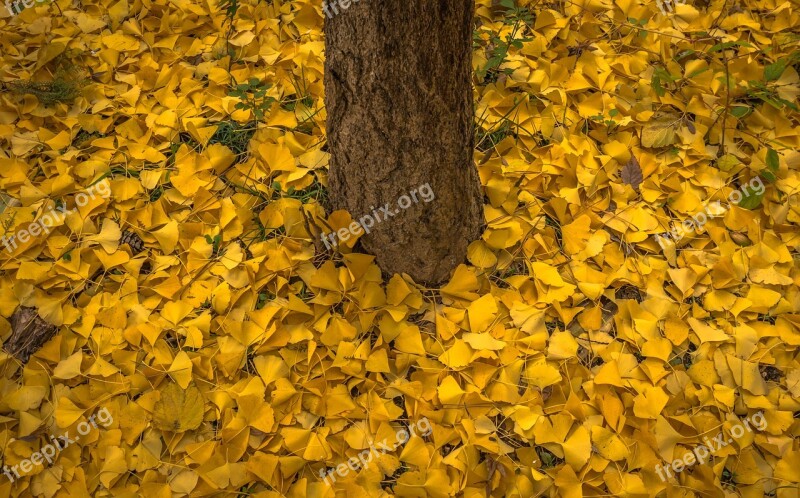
{"x": 398, "y": 94}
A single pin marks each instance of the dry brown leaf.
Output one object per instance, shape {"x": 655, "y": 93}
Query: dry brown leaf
{"x": 29, "y": 332}
{"x": 632, "y": 173}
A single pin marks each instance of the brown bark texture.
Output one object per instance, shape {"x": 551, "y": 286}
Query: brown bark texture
{"x": 398, "y": 94}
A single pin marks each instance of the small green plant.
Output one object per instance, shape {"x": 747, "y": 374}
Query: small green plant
{"x": 231, "y": 7}
{"x": 497, "y": 49}
{"x": 254, "y": 98}
{"x": 608, "y": 122}
{"x": 215, "y": 244}
{"x": 66, "y": 86}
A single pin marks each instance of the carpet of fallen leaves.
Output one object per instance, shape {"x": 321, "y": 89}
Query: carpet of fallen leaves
{"x": 567, "y": 357}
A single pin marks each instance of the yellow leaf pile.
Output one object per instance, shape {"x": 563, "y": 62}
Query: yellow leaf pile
{"x": 571, "y": 353}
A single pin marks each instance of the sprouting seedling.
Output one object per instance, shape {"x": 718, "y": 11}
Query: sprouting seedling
{"x": 497, "y": 49}
{"x": 253, "y": 95}
{"x": 214, "y": 242}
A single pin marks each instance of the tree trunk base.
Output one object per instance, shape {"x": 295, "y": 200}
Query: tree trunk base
{"x": 398, "y": 93}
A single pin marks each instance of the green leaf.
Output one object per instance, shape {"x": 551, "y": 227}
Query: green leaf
{"x": 656, "y": 83}
{"x": 494, "y": 62}
{"x": 790, "y": 105}
{"x": 773, "y": 162}
{"x": 769, "y": 176}
{"x": 771, "y": 101}
{"x": 727, "y": 45}
{"x": 775, "y": 70}
{"x": 740, "y": 111}
{"x": 664, "y": 74}
{"x": 751, "y": 200}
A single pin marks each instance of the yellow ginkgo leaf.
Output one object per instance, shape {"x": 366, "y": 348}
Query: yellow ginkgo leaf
{"x": 480, "y": 255}
{"x": 67, "y": 412}
{"x": 480, "y": 342}
{"x": 181, "y": 370}
{"x": 108, "y": 237}
{"x": 649, "y": 403}
{"x": 178, "y": 410}
{"x": 660, "y": 131}
{"x": 70, "y": 367}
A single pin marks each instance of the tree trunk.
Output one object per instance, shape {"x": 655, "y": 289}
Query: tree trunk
{"x": 398, "y": 94}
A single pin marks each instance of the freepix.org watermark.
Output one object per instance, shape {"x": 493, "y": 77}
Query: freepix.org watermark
{"x": 366, "y": 456}
{"x": 700, "y": 219}
{"x": 49, "y": 219}
{"x": 49, "y": 451}
{"x": 366, "y": 222}
{"x": 703, "y": 452}
{"x": 14, "y": 7}
{"x": 334, "y": 5}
